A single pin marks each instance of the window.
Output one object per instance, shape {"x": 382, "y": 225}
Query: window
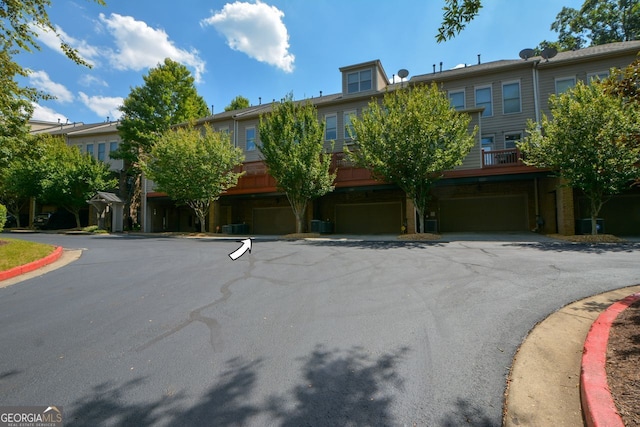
{"x": 331, "y": 128}
{"x": 597, "y": 76}
{"x": 511, "y": 139}
{"x": 113, "y": 146}
{"x": 483, "y": 99}
{"x": 457, "y": 99}
{"x": 250, "y": 134}
{"x": 359, "y": 81}
{"x": 511, "y": 98}
{"x": 564, "y": 84}
{"x": 487, "y": 143}
{"x": 349, "y": 132}
{"x": 90, "y": 149}
{"x": 101, "y": 148}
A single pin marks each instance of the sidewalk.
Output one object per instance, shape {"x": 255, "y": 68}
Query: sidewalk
{"x": 544, "y": 382}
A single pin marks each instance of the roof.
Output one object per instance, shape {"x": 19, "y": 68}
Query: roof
{"x": 79, "y": 128}
{"x": 562, "y": 58}
{"x": 102, "y": 196}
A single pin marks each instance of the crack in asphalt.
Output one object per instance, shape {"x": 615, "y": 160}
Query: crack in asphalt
{"x": 197, "y": 316}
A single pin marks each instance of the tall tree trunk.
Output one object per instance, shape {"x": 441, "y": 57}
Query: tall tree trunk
{"x": 299, "y": 210}
{"x": 76, "y": 214}
{"x": 203, "y": 226}
{"x": 596, "y": 205}
{"x": 421, "y": 207}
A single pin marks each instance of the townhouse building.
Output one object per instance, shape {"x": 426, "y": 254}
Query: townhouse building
{"x": 493, "y": 190}
{"x": 95, "y": 139}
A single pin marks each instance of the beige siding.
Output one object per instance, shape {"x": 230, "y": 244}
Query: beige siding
{"x": 251, "y": 155}
{"x": 548, "y": 73}
{"x": 106, "y": 139}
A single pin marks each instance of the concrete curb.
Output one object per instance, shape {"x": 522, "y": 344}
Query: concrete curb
{"x": 34, "y": 265}
{"x": 598, "y": 406}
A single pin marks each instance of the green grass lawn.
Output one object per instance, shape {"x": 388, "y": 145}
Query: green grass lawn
{"x": 15, "y": 252}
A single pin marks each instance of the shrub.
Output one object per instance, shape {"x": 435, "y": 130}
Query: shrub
{"x": 3, "y": 217}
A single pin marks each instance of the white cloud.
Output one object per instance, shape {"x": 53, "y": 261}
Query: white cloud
{"x": 47, "y": 114}
{"x": 88, "y": 52}
{"x": 40, "y": 80}
{"x": 255, "y": 29}
{"x": 89, "y": 80}
{"x": 140, "y": 46}
{"x": 103, "y": 106}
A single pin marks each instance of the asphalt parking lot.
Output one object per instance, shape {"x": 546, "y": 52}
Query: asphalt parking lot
{"x": 342, "y": 331}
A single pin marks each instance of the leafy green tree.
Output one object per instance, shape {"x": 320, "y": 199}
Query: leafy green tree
{"x": 168, "y": 97}
{"x": 625, "y": 83}
{"x": 456, "y": 15}
{"x": 598, "y": 22}
{"x": 19, "y": 21}
{"x": 410, "y": 139}
{"x": 70, "y": 178}
{"x": 194, "y": 167}
{"x": 237, "y": 103}
{"x": 293, "y": 150}
{"x": 3, "y": 217}
{"x": 21, "y": 172}
{"x": 591, "y": 142}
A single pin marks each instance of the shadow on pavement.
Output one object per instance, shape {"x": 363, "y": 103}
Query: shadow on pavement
{"x": 371, "y": 244}
{"x": 466, "y": 414}
{"x": 594, "y": 248}
{"x": 337, "y": 388}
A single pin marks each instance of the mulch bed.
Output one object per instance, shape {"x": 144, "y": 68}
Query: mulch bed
{"x": 589, "y": 238}
{"x": 623, "y": 364}
{"x": 419, "y": 236}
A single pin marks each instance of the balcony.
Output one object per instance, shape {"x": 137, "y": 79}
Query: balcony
{"x": 501, "y": 158}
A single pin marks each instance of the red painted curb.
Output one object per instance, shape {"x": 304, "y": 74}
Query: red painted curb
{"x": 21, "y": 269}
{"x": 597, "y": 404}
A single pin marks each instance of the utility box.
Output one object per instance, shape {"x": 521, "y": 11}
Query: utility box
{"x": 431, "y": 226}
{"x": 583, "y": 226}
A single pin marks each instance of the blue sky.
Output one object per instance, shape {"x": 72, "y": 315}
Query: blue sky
{"x": 261, "y": 49}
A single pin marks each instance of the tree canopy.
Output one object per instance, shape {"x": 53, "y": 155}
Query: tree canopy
{"x": 168, "y": 97}
{"x": 591, "y": 142}
{"x": 456, "y": 15}
{"x": 194, "y": 166}
{"x": 69, "y": 178}
{"x": 596, "y": 22}
{"x": 237, "y": 103}
{"x": 410, "y": 138}
{"x": 20, "y": 22}
{"x": 294, "y": 152}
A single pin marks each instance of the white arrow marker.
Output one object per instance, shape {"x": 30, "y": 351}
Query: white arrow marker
{"x": 246, "y": 246}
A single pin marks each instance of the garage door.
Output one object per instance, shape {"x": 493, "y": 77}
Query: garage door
{"x": 274, "y": 221}
{"x": 489, "y": 213}
{"x": 369, "y": 218}
{"x": 621, "y": 214}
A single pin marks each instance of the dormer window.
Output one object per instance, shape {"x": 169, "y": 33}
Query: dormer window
{"x": 359, "y": 81}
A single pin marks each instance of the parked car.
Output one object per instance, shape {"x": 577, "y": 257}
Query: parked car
{"x": 10, "y": 222}
{"x": 41, "y": 220}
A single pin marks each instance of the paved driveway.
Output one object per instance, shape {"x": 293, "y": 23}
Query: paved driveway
{"x": 170, "y": 331}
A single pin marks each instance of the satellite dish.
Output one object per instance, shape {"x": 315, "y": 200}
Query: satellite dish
{"x": 403, "y": 73}
{"x": 527, "y": 53}
{"x": 548, "y": 53}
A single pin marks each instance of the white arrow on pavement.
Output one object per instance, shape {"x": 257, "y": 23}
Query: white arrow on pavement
{"x": 246, "y": 246}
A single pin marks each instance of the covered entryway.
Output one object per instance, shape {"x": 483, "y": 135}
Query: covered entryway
{"x": 108, "y": 203}
{"x": 369, "y": 218}
{"x": 484, "y": 213}
{"x": 276, "y": 220}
